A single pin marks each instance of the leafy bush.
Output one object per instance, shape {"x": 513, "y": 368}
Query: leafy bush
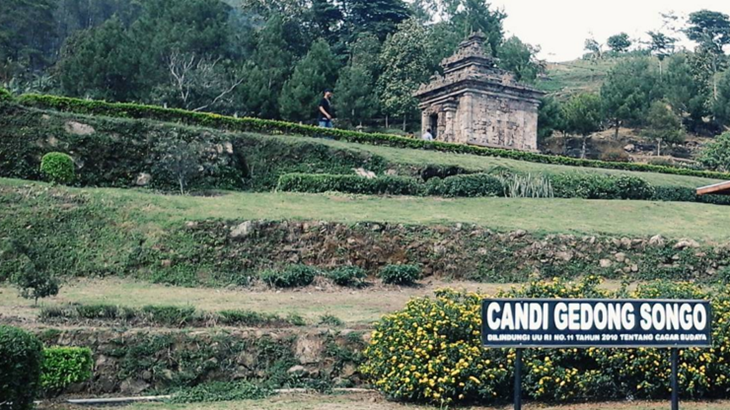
{"x": 431, "y": 352}
{"x": 292, "y": 277}
{"x": 469, "y": 185}
{"x": 64, "y": 366}
{"x": 330, "y": 320}
{"x": 350, "y": 276}
{"x": 58, "y": 168}
{"x": 351, "y": 184}
{"x": 252, "y": 319}
{"x": 21, "y": 358}
{"x": 597, "y": 186}
{"x": 615, "y": 154}
{"x": 716, "y": 155}
{"x": 5, "y": 95}
{"x": 405, "y": 275}
{"x": 169, "y": 315}
{"x": 130, "y": 110}
{"x": 221, "y": 391}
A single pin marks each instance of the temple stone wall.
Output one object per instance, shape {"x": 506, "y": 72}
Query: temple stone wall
{"x": 477, "y": 103}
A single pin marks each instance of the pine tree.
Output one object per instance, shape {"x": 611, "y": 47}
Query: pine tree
{"x": 379, "y": 17}
{"x": 266, "y": 73}
{"x": 100, "y": 63}
{"x": 406, "y": 59}
{"x": 312, "y": 75}
{"x": 663, "y": 125}
{"x": 355, "y": 97}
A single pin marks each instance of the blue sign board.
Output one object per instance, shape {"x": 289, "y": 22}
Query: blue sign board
{"x": 584, "y": 323}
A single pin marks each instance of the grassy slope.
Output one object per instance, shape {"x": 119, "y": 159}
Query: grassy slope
{"x": 153, "y": 213}
{"x": 576, "y": 76}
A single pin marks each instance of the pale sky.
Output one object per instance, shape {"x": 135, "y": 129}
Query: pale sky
{"x": 560, "y": 27}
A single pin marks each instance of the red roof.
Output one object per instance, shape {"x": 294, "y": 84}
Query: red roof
{"x": 723, "y": 188}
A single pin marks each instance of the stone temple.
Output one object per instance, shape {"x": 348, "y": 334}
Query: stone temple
{"x": 476, "y": 103}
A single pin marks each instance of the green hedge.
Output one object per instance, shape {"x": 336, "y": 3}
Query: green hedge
{"x": 583, "y": 185}
{"x": 130, "y": 110}
{"x": 597, "y": 186}
{"x": 21, "y": 358}
{"x": 64, "y": 366}
{"x": 352, "y": 184}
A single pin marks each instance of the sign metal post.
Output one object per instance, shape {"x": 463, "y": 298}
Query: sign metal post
{"x": 594, "y": 323}
{"x": 518, "y": 379}
{"x": 675, "y": 382}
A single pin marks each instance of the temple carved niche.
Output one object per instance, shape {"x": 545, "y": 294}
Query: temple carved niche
{"x": 477, "y": 103}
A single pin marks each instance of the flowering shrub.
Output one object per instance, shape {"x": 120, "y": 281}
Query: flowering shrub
{"x": 431, "y": 352}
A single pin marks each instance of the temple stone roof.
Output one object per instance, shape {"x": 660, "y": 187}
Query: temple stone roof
{"x": 472, "y": 68}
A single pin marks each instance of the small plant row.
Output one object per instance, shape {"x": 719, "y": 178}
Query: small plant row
{"x": 28, "y": 369}
{"x": 585, "y": 186}
{"x": 138, "y": 111}
{"x": 350, "y": 276}
{"x": 166, "y": 316}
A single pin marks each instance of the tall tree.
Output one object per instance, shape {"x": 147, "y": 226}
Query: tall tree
{"x": 101, "y": 63}
{"x": 628, "y": 91}
{"x": 582, "y": 115}
{"x": 711, "y": 31}
{"x": 197, "y": 27}
{"x": 722, "y": 104}
{"x": 688, "y": 88}
{"x": 355, "y": 90}
{"x": 312, "y": 75}
{"x": 594, "y": 48}
{"x": 267, "y": 71}
{"x": 549, "y": 118}
{"x": 26, "y": 36}
{"x": 406, "y": 58}
{"x": 521, "y": 59}
{"x": 662, "y": 46}
{"x": 663, "y": 126}
{"x": 379, "y": 17}
{"x": 619, "y": 43}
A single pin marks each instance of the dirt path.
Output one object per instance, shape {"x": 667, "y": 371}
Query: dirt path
{"x": 376, "y": 402}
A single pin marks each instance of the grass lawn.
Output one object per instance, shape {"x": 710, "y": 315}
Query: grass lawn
{"x": 356, "y": 308}
{"x": 477, "y": 163}
{"x": 376, "y": 402}
{"x": 155, "y": 212}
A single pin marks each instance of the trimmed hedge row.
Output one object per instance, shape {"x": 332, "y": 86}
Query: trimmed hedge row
{"x": 129, "y": 110}
{"x": 352, "y": 184}
{"x": 585, "y": 186}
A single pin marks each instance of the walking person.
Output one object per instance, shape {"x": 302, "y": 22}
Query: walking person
{"x": 325, "y": 113}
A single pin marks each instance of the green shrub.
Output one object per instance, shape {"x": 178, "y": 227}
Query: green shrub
{"x": 680, "y": 194}
{"x": 129, "y": 110}
{"x": 296, "y": 320}
{"x": 351, "y": 184}
{"x": 469, "y": 185}
{"x": 251, "y": 319}
{"x": 330, "y": 320}
{"x": 404, "y": 275}
{"x": 221, "y": 391}
{"x": 597, "y": 186}
{"x": 58, "y": 168}
{"x": 170, "y": 315}
{"x": 349, "y": 276}
{"x": 292, "y": 277}
{"x": 431, "y": 351}
{"x": 35, "y": 282}
{"x": 64, "y": 366}
{"x": 5, "y": 95}
{"x": 21, "y": 358}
